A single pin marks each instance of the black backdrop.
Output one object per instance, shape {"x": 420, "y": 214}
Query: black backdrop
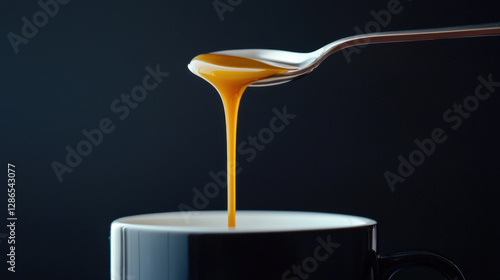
{"x": 353, "y": 119}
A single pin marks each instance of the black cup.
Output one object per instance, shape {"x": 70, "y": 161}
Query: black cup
{"x": 274, "y": 245}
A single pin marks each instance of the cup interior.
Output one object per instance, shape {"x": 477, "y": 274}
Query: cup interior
{"x": 246, "y": 221}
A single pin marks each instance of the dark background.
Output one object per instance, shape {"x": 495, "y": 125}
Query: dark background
{"x": 353, "y": 121}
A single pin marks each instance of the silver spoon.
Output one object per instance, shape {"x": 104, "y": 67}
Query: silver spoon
{"x": 305, "y": 63}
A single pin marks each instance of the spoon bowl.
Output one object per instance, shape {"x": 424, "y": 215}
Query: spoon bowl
{"x": 302, "y": 63}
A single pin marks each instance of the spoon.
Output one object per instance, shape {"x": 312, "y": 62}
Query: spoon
{"x": 305, "y": 63}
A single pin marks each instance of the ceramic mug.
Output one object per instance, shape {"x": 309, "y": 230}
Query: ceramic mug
{"x": 274, "y": 245}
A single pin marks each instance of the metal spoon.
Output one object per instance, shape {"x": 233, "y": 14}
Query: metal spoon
{"x": 305, "y": 63}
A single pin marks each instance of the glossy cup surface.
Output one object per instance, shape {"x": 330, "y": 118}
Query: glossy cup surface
{"x": 264, "y": 245}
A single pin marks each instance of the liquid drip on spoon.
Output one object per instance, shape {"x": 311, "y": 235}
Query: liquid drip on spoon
{"x": 231, "y": 75}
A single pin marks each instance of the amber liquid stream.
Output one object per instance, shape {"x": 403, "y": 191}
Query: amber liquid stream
{"x": 231, "y": 75}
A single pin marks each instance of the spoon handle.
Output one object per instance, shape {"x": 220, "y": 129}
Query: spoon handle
{"x": 413, "y": 35}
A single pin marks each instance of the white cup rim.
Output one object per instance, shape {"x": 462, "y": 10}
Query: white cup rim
{"x": 247, "y": 221}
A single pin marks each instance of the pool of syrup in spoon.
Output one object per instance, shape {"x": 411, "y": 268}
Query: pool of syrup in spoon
{"x": 231, "y": 75}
